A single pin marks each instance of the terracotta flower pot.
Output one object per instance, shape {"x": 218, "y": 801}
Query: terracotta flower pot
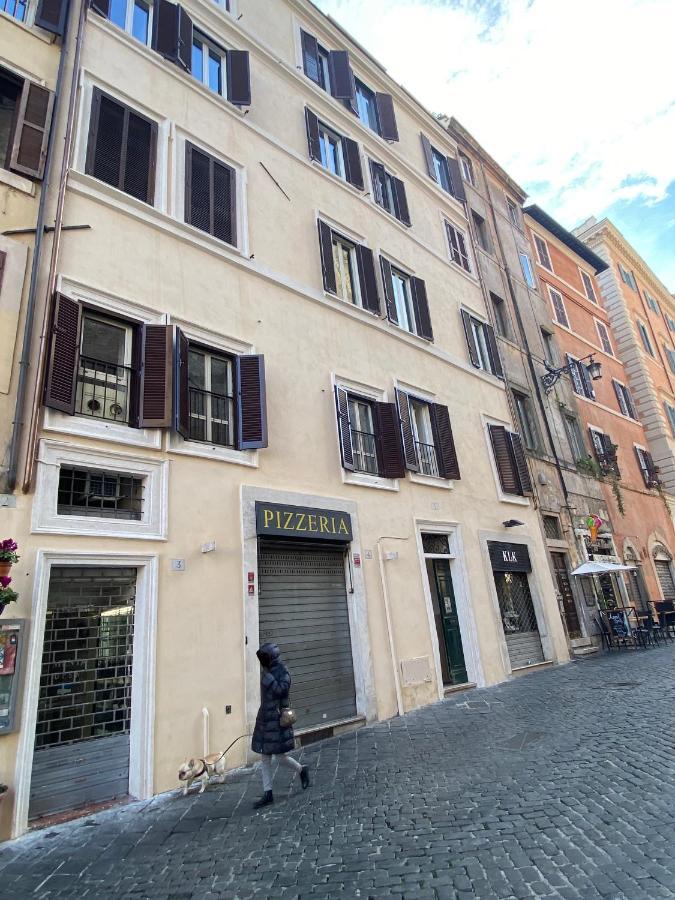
{"x": 5, "y": 568}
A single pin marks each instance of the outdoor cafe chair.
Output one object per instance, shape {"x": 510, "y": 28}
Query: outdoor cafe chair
{"x": 621, "y": 633}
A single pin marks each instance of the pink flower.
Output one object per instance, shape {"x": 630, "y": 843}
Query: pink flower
{"x": 5, "y": 580}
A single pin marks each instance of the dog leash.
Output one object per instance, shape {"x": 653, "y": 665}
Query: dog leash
{"x": 227, "y": 749}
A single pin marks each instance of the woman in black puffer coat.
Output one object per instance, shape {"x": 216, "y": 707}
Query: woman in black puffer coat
{"x": 269, "y": 738}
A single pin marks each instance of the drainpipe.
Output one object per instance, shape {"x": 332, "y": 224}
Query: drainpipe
{"x": 37, "y": 254}
{"x": 390, "y": 631}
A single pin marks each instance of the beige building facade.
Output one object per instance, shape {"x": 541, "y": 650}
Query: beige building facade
{"x": 255, "y": 415}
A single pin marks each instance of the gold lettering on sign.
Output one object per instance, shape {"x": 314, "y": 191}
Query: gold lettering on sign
{"x": 278, "y": 519}
{"x": 343, "y": 527}
{"x": 323, "y": 524}
{"x": 300, "y": 521}
{"x": 269, "y": 515}
{"x": 311, "y": 519}
{"x": 287, "y": 521}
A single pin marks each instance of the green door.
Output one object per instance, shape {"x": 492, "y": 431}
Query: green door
{"x": 453, "y": 667}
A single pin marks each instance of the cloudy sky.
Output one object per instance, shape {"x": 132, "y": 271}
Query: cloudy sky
{"x": 575, "y": 98}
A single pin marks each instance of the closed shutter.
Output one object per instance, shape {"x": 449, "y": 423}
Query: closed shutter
{"x": 456, "y": 179}
{"x": 172, "y": 33}
{"x": 238, "y": 77}
{"x": 503, "y": 455}
{"x": 493, "y": 351}
{"x": 391, "y": 463}
{"x": 64, "y": 354}
{"x": 428, "y": 156}
{"x": 310, "y": 56}
{"x": 344, "y": 429}
{"x": 665, "y": 577}
{"x": 31, "y": 133}
{"x": 156, "y": 377}
{"x": 327, "y": 264}
{"x": 444, "y": 442}
{"x": 249, "y": 373}
{"x": 102, "y": 7}
{"x": 302, "y": 604}
{"x": 470, "y": 339}
{"x": 341, "y": 77}
{"x": 51, "y": 15}
{"x": 421, "y": 307}
{"x": 388, "y": 283}
{"x": 313, "y": 140}
{"x": 402, "y": 211}
{"x": 520, "y": 462}
{"x": 210, "y": 195}
{"x": 407, "y": 436}
{"x": 352, "y": 158}
{"x": 182, "y": 391}
{"x": 370, "y": 296}
{"x": 386, "y": 116}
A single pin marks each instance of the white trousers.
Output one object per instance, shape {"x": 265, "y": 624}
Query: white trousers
{"x": 284, "y": 760}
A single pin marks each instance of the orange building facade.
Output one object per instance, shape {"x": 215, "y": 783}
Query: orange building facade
{"x": 640, "y": 530}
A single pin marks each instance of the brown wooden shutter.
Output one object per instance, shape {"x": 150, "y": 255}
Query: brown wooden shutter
{"x": 310, "y": 56}
{"x": 51, "y": 15}
{"x": 388, "y": 283}
{"x": 421, "y": 307}
{"x": 155, "y": 377}
{"x": 503, "y": 454}
{"x": 344, "y": 428}
{"x": 313, "y": 140}
{"x": 182, "y": 389}
{"x": 470, "y": 340}
{"x": 407, "y": 436}
{"x": 520, "y": 461}
{"x": 386, "y": 116}
{"x": 185, "y": 33}
{"x": 31, "y": 133}
{"x": 172, "y": 33}
{"x": 327, "y": 264}
{"x": 402, "y": 212}
{"x": 631, "y": 406}
{"x": 238, "y": 77}
{"x": 493, "y": 351}
{"x": 390, "y": 460}
{"x": 341, "y": 76}
{"x": 428, "y": 156}
{"x": 352, "y": 157}
{"x": 586, "y": 380}
{"x": 102, "y": 7}
{"x": 446, "y": 454}
{"x": 456, "y": 179}
{"x": 64, "y": 354}
{"x": 370, "y": 296}
{"x": 249, "y": 373}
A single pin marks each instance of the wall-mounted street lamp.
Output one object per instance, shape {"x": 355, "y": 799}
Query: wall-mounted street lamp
{"x": 553, "y": 375}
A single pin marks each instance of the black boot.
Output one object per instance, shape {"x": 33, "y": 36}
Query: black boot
{"x": 304, "y": 777}
{"x": 265, "y": 800}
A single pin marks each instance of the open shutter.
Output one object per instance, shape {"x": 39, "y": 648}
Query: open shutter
{"x": 327, "y": 264}
{"x": 390, "y": 460}
{"x": 456, "y": 179}
{"x": 586, "y": 380}
{"x": 388, "y": 283}
{"x": 156, "y": 377}
{"x": 421, "y": 307}
{"x": 344, "y": 430}
{"x": 370, "y": 296}
{"x": 470, "y": 340}
{"x": 102, "y": 7}
{"x": 238, "y": 78}
{"x": 352, "y": 157}
{"x": 184, "y": 51}
{"x": 608, "y": 448}
{"x": 448, "y": 466}
{"x": 493, "y": 351}
{"x": 313, "y": 140}
{"x": 402, "y": 212}
{"x": 386, "y": 116}
{"x": 503, "y": 454}
{"x": 31, "y": 134}
{"x": 310, "y": 56}
{"x": 520, "y": 461}
{"x": 64, "y": 354}
{"x": 407, "y": 436}
{"x": 51, "y": 15}
{"x": 632, "y": 412}
{"x": 428, "y": 156}
{"x": 249, "y": 373}
{"x": 182, "y": 390}
{"x": 172, "y": 33}
{"x": 341, "y": 76}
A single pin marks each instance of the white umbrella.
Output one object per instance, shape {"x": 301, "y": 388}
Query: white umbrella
{"x": 598, "y": 568}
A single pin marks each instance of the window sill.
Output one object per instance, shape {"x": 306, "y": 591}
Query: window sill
{"x": 102, "y": 430}
{"x": 370, "y": 481}
{"x": 18, "y": 182}
{"x": 334, "y": 177}
{"x": 515, "y": 499}
{"x": 432, "y": 481}
{"x": 178, "y": 444}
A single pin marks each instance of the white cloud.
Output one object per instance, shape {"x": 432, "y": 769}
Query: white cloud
{"x": 574, "y": 98}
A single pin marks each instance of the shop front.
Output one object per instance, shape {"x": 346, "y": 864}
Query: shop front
{"x": 511, "y": 568}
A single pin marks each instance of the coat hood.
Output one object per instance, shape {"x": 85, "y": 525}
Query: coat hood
{"x": 268, "y": 654}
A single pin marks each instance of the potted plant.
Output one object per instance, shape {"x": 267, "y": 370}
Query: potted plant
{"x": 8, "y": 555}
{"x": 7, "y": 594}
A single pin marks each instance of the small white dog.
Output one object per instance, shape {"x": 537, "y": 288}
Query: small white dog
{"x": 203, "y": 770}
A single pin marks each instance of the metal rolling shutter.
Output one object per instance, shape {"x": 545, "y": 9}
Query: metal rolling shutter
{"x": 665, "y": 578}
{"x": 303, "y": 608}
{"x": 524, "y": 649}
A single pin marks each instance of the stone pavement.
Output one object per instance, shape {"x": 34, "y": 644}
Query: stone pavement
{"x": 558, "y": 784}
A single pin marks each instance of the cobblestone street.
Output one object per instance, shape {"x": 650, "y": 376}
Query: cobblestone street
{"x": 557, "y": 784}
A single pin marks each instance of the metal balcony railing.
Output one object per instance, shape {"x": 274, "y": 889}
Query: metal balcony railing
{"x": 103, "y": 390}
{"x": 211, "y": 417}
{"x": 426, "y": 455}
{"x": 364, "y": 449}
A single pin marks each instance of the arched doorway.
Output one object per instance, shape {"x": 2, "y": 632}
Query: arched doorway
{"x": 634, "y": 580}
{"x": 664, "y": 570}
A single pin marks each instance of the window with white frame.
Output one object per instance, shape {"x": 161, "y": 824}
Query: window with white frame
{"x": 644, "y": 335}
{"x": 542, "y": 252}
{"x": 514, "y": 212}
{"x": 403, "y": 299}
{"x": 550, "y": 352}
{"x": 671, "y": 323}
{"x": 346, "y": 270}
{"x": 559, "y": 311}
{"x": 104, "y": 375}
{"x": 209, "y": 63}
{"x": 420, "y": 420}
{"x": 18, "y": 9}
{"x": 480, "y": 337}
{"x": 100, "y": 494}
{"x": 527, "y": 420}
{"x": 211, "y": 397}
{"x": 670, "y": 356}
{"x": 588, "y": 286}
{"x": 482, "y": 232}
{"x": 134, "y": 17}
{"x": 364, "y": 443}
{"x": 648, "y": 469}
{"x": 581, "y": 380}
{"x": 459, "y": 253}
{"x": 624, "y": 399}
{"x": 528, "y": 270}
{"x": 603, "y": 334}
{"x": 366, "y": 106}
{"x": 466, "y": 166}
{"x": 440, "y": 164}
{"x": 332, "y": 154}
